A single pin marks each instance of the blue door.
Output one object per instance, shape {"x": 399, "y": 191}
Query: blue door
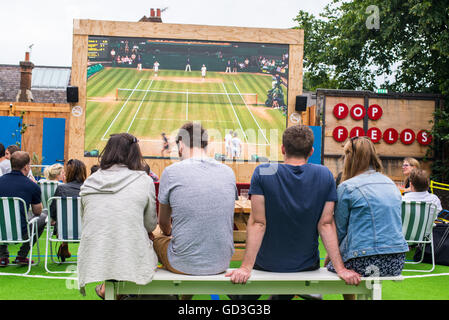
{"x": 316, "y": 156}
{"x": 53, "y": 138}
{"x": 10, "y": 131}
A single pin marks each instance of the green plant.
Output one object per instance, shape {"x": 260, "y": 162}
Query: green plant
{"x": 440, "y": 147}
{"x": 36, "y": 160}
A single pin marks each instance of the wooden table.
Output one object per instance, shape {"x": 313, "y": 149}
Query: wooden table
{"x": 242, "y": 210}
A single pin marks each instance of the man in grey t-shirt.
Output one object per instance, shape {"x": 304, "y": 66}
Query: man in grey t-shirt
{"x": 196, "y": 216}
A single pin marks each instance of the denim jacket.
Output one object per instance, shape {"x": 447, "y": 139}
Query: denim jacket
{"x": 368, "y": 216}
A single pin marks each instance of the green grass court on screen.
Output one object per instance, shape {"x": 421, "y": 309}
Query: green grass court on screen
{"x": 145, "y": 105}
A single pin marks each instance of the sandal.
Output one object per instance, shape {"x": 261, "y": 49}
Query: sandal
{"x": 98, "y": 290}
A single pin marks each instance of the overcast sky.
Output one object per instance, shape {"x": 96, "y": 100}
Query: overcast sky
{"x": 48, "y": 24}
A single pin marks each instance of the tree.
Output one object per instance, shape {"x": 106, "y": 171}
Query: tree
{"x": 354, "y": 45}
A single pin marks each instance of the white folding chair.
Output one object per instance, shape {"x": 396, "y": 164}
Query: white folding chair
{"x": 68, "y": 222}
{"x": 418, "y": 219}
{"x": 11, "y": 228}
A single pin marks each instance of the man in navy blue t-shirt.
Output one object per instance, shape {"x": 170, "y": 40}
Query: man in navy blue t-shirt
{"x": 17, "y": 184}
{"x": 292, "y": 203}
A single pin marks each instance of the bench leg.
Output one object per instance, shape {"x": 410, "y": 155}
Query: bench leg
{"x": 377, "y": 291}
{"x": 109, "y": 293}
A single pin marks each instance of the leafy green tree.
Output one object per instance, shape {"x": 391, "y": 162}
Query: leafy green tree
{"x": 402, "y": 44}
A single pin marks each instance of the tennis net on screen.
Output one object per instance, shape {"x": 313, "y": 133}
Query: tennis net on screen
{"x": 185, "y": 97}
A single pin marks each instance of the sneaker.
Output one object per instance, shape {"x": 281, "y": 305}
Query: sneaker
{"x": 22, "y": 261}
{"x": 4, "y": 262}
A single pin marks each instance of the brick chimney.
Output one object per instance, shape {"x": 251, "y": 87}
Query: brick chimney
{"x": 26, "y": 69}
{"x": 155, "y": 16}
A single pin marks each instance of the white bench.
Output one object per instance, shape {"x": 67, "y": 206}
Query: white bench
{"x": 261, "y": 282}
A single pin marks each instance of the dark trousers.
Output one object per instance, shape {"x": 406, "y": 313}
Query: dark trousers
{"x": 25, "y": 248}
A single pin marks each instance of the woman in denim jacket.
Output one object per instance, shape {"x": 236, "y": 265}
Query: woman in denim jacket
{"x": 368, "y": 214}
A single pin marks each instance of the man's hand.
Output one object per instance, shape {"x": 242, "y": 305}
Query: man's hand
{"x": 240, "y": 275}
{"x": 349, "y": 276}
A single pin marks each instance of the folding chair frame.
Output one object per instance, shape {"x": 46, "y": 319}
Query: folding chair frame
{"x": 49, "y": 239}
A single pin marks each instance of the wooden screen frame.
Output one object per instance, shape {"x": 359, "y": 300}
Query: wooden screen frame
{"x": 82, "y": 29}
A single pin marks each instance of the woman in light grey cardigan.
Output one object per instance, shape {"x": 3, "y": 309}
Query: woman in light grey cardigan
{"x": 118, "y": 214}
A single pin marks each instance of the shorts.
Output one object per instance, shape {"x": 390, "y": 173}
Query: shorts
{"x": 382, "y": 265}
{"x": 160, "y": 245}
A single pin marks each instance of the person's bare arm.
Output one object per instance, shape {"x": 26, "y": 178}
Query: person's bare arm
{"x": 255, "y": 231}
{"x": 165, "y": 218}
{"x": 328, "y": 233}
{"x": 37, "y": 209}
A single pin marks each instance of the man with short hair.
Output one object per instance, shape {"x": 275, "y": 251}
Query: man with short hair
{"x": 419, "y": 186}
{"x": 16, "y": 184}
{"x": 196, "y": 209}
{"x": 7, "y": 163}
{"x": 292, "y": 203}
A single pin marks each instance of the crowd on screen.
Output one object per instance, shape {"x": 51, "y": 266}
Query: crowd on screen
{"x": 293, "y": 203}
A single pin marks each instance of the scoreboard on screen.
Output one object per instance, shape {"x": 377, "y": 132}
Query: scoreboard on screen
{"x": 97, "y": 48}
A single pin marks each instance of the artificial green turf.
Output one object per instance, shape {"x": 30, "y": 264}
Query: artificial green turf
{"x": 20, "y": 288}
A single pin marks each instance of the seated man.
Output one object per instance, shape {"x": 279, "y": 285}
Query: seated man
{"x": 196, "y": 212}
{"x": 419, "y": 184}
{"x": 291, "y": 204}
{"x": 16, "y": 184}
{"x": 5, "y": 165}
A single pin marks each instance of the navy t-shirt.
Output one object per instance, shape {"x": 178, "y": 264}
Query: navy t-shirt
{"x": 15, "y": 184}
{"x": 294, "y": 200}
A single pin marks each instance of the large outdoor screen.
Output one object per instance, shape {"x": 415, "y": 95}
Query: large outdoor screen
{"x": 151, "y": 87}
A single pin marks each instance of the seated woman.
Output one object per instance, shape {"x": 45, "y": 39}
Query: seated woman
{"x": 368, "y": 214}
{"x": 119, "y": 212}
{"x": 419, "y": 184}
{"x": 407, "y": 166}
{"x": 55, "y": 172}
{"x": 74, "y": 177}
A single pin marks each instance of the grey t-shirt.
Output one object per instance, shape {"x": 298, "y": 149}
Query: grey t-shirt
{"x": 201, "y": 193}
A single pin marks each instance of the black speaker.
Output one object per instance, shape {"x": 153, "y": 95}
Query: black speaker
{"x": 72, "y": 94}
{"x": 301, "y": 103}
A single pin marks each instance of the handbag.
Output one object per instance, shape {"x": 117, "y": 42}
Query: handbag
{"x": 441, "y": 246}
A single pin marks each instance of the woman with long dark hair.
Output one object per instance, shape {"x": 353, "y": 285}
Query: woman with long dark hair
{"x": 118, "y": 214}
{"x": 75, "y": 174}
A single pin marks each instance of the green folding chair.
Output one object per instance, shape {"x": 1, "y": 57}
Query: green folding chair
{"x": 418, "y": 219}
{"x": 11, "y": 228}
{"x": 68, "y": 222}
{"x": 48, "y": 189}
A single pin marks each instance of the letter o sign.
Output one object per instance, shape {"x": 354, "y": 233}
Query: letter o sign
{"x": 341, "y": 111}
{"x": 374, "y": 134}
{"x": 424, "y": 138}
{"x": 340, "y": 134}
{"x": 358, "y": 112}
{"x": 407, "y": 136}
{"x": 356, "y": 132}
{"x": 375, "y": 112}
{"x": 391, "y": 136}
